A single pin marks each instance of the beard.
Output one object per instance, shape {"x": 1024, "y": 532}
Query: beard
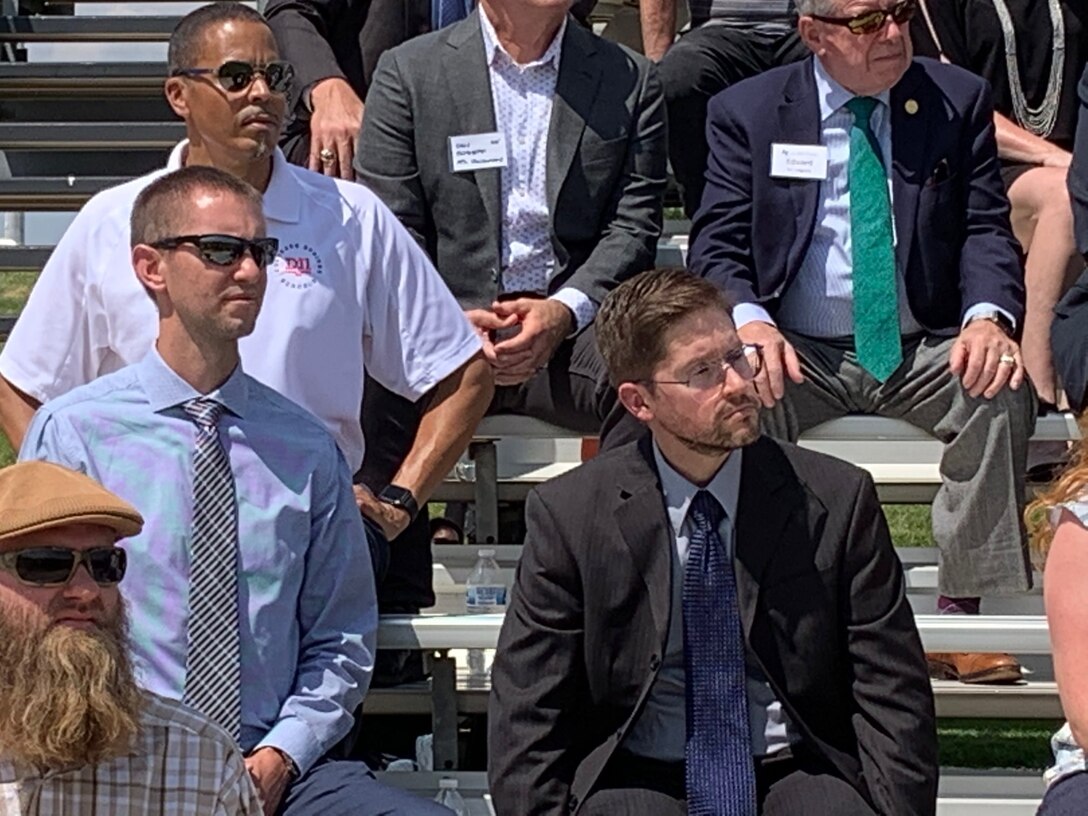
{"x": 68, "y": 697}
{"x": 720, "y": 438}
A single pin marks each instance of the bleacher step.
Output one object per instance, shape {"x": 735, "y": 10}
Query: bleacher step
{"x": 49, "y": 193}
{"x": 96, "y": 79}
{"x": 121, "y": 136}
{"x": 117, "y": 28}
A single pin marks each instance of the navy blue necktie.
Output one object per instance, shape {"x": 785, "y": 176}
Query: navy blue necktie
{"x": 720, "y": 773}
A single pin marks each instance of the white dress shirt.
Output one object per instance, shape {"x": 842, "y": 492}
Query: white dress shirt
{"x": 661, "y": 729}
{"x": 522, "y": 97}
{"x": 819, "y": 302}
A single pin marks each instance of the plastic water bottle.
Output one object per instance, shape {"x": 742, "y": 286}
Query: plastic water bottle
{"x": 484, "y": 593}
{"x": 448, "y": 796}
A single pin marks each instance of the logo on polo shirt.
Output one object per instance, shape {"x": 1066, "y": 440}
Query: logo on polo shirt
{"x": 297, "y": 266}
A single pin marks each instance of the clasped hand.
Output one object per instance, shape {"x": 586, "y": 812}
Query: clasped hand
{"x": 541, "y": 324}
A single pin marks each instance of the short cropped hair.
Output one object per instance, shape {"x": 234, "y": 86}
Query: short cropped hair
{"x": 805, "y": 7}
{"x": 165, "y": 201}
{"x": 633, "y": 322}
{"x": 187, "y": 40}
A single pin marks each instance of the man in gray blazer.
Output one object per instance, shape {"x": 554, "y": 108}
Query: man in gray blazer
{"x": 528, "y": 157}
{"x": 706, "y": 620}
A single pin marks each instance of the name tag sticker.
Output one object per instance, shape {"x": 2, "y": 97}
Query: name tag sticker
{"x": 477, "y": 151}
{"x": 799, "y": 161}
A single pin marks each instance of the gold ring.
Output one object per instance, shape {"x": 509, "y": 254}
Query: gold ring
{"x": 327, "y": 155}
{"x": 1006, "y": 359}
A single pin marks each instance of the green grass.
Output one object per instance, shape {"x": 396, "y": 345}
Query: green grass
{"x": 14, "y": 289}
{"x": 996, "y": 743}
{"x": 909, "y": 524}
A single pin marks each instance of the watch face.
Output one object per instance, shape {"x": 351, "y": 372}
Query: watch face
{"x": 398, "y": 496}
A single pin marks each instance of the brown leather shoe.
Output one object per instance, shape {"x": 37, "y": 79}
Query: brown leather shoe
{"x": 974, "y": 667}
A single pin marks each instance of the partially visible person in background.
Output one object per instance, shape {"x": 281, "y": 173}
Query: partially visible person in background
{"x": 77, "y": 734}
{"x": 1032, "y": 53}
{"x": 729, "y": 40}
{"x": 334, "y": 46}
{"x": 445, "y": 531}
{"x": 1058, "y": 522}
{"x": 1069, "y": 331}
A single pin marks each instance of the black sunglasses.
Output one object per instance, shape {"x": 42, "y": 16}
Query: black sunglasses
{"x": 236, "y": 75}
{"x": 869, "y": 22}
{"x": 55, "y": 566}
{"x": 225, "y": 250}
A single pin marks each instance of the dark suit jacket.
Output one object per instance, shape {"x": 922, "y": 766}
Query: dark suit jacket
{"x": 336, "y": 38}
{"x": 822, "y": 605}
{"x": 955, "y": 245}
{"x": 605, "y": 163}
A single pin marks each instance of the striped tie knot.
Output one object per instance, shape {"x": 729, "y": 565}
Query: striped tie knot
{"x": 204, "y": 412}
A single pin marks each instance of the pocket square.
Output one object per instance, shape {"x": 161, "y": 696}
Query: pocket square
{"x": 942, "y": 172}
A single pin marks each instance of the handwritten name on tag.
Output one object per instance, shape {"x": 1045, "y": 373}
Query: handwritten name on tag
{"x": 799, "y": 161}
{"x": 477, "y": 151}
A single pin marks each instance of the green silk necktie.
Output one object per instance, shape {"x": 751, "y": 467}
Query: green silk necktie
{"x": 876, "y": 302}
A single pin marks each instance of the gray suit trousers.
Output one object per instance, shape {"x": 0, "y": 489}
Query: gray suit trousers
{"x": 977, "y": 512}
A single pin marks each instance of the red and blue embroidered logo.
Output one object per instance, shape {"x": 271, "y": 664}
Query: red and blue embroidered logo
{"x": 297, "y": 266}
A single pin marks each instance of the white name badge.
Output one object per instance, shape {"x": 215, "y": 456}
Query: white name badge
{"x": 799, "y": 161}
{"x": 477, "y": 151}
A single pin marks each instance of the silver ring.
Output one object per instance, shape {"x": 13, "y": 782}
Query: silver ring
{"x": 326, "y": 155}
{"x": 1006, "y": 359}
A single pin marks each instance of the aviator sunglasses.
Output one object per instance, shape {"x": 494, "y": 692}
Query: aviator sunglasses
{"x": 236, "y": 75}
{"x": 55, "y": 566}
{"x": 225, "y": 250}
{"x": 869, "y": 22}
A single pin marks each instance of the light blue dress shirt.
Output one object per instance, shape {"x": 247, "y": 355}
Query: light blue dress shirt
{"x": 661, "y": 729}
{"x": 819, "y": 302}
{"x": 308, "y": 608}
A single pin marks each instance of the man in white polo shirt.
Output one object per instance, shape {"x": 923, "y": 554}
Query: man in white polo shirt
{"x": 349, "y": 291}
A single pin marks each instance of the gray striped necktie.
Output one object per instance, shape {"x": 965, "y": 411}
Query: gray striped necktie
{"x": 213, "y": 683}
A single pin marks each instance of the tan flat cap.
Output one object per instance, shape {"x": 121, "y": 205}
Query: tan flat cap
{"x": 40, "y": 495}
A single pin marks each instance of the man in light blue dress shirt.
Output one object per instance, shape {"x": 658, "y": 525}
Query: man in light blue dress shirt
{"x": 304, "y": 597}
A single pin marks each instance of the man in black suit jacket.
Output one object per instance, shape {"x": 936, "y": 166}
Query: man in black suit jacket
{"x": 779, "y": 228}
{"x": 590, "y": 683}
{"x": 334, "y": 46}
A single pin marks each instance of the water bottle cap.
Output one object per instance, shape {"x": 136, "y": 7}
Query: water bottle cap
{"x": 485, "y": 554}
{"x": 447, "y": 784}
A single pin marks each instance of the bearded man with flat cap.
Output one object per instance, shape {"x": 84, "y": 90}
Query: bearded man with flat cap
{"x": 77, "y": 735}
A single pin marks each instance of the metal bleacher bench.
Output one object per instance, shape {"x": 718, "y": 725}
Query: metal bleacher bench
{"x": 902, "y": 459}
{"x": 1000, "y": 793}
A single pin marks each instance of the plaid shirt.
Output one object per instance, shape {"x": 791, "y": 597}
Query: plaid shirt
{"x": 180, "y": 764}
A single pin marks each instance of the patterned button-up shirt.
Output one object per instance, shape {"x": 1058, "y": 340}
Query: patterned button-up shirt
{"x": 522, "y": 99}
{"x": 180, "y": 763}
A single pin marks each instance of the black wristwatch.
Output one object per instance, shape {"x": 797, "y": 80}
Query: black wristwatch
{"x": 996, "y": 318}
{"x": 400, "y": 497}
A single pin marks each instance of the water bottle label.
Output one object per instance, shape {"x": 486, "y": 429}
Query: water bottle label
{"x": 484, "y": 598}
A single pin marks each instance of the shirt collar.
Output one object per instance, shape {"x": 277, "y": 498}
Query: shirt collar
{"x": 281, "y": 201}
{"x": 165, "y": 389}
{"x": 832, "y": 95}
{"x": 679, "y": 492}
{"x": 492, "y": 46}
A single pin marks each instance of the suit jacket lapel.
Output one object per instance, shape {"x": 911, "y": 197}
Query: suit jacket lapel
{"x": 909, "y": 143}
{"x": 575, "y": 93}
{"x": 470, "y": 89}
{"x": 644, "y": 525}
{"x": 799, "y": 123}
{"x": 759, "y": 529}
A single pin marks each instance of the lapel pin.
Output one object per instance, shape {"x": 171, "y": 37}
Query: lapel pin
{"x": 911, "y": 107}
